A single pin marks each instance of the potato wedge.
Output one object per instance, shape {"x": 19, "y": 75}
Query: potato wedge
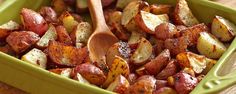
{"x": 165, "y": 31}
{"x": 165, "y": 90}
{"x": 189, "y": 71}
{"x": 8, "y": 50}
{"x": 35, "y": 57}
{"x": 185, "y": 83}
{"x": 142, "y": 53}
{"x": 132, "y": 78}
{"x": 63, "y": 36}
{"x": 119, "y": 67}
{"x": 119, "y": 85}
{"x": 62, "y": 54}
{"x": 161, "y": 83}
{"x": 131, "y": 10}
{"x": 121, "y": 49}
{"x": 223, "y": 29}
{"x": 81, "y": 79}
{"x": 48, "y": 14}
{"x": 22, "y": 41}
{"x": 170, "y": 69}
{"x": 156, "y": 65}
{"x": 148, "y": 21}
{"x": 33, "y": 21}
{"x": 210, "y": 46}
{"x": 91, "y": 73}
{"x": 191, "y": 60}
{"x": 176, "y": 45}
{"x": 7, "y": 28}
{"x": 66, "y": 72}
{"x": 141, "y": 71}
{"x": 51, "y": 34}
{"x": 144, "y": 85}
{"x": 210, "y": 64}
{"x": 183, "y": 15}
{"x": 160, "y": 9}
{"x": 135, "y": 37}
{"x": 81, "y": 33}
{"x": 68, "y": 21}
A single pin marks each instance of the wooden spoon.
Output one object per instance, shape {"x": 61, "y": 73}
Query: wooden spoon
{"x": 102, "y": 38}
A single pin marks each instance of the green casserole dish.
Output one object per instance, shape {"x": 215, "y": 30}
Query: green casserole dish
{"x": 39, "y": 81}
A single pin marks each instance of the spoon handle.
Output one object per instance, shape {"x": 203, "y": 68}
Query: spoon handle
{"x": 95, "y": 8}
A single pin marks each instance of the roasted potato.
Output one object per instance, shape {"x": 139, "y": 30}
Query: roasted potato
{"x": 161, "y": 83}
{"x": 144, "y": 85}
{"x": 189, "y": 71}
{"x": 165, "y": 90}
{"x": 170, "y": 69}
{"x": 142, "y": 53}
{"x": 48, "y": 14}
{"x": 33, "y": 21}
{"x": 210, "y": 46}
{"x": 21, "y": 41}
{"x": 191, "y": 60}
{"x": 200, "y": 77}
{"x": 184, "y": 83}
{"x": 141, "y": 71}
{"x": 121, "y": 4}
{"x": 135, "y": 37}
{"x": 118, "y": 67}
{"x": 156, "y": 65}
{"x": 66, "y": 72}
{"x": 132, "y": 78}
{"x": 81, "y": 79}
{"x": 183, "y": 15}
{"x": 192, "y": 33}
{"x": 121, "y": 49}
{"x": 7, "y": 28}
{"x": 223, "y": 29}
{"x": 81, "y": 33}
{"x": 62, "y": 54}
{"x": 51, "y": 34}
{"x": 91, "y": 73}
{"x": 160, "y": 9}
{"x": 148, "y": 21}
{"x": 68, "y": 21}
{"x": 8, "y": 50}
{"x": 106, "y": 3}
{"x": 127, "y": 19}
{"x": 35, "y": 57}
{"x": 165, "y": 31}
{"x": 176, "y": 45}
{"x": 63, "y": 36}
{"x": 119, "y": 85}
{"x": 209, "y": 64}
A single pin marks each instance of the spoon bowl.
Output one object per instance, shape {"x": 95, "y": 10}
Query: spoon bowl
{"x": 102, "y": 38}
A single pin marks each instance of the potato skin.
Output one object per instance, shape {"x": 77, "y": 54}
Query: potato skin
{"x": 176, "y": 45}
{"x": 119, "y": 85}
{"x": 63, "y": 36}
{"x": 156, "y": 65}
{"x": 7, "y": 28}
{"x": 184, "y": 83}
{"x": 165, "y": 90}
{"x": 48, "y": 14}
{"x": 170, "y": 69}
{"x": 21, "y": 41}
{"x": 64, "y": 55}
{"x": 91, "y": 73}
{"x": 144, "y": 85}
{"x": 165, "y": 31}
{"x": 33, "y": 21}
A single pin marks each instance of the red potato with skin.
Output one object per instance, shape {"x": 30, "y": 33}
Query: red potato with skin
{"x": 119, "y": 85}
{"x": 64, "y": 55}
{"x": 176, "y": 45}
{"x": 66, "y": 72}
{"x": 7, "y": 28}
{"x": 170, "y": 69}
{"x": 165, "y": 90}
{"x": 91, "y": 73}
{"x": 165, "y": 31}
{"x": 132, "y": 78}
{"x": 184, "y": 83}
{"x": 161, "y": 83}
{"x": 33, "y": 21}
{"x": 161, "y": 9}
{"x": 63, "y": 36}
{"x": 144, "y": 85}
{"x": 48, "y": 14}
{"x": 157, "y": 64}
{"x": 22, "y": 41}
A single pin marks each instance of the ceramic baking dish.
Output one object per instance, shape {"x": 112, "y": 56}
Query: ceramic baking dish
{"x": 38, "y": 81}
